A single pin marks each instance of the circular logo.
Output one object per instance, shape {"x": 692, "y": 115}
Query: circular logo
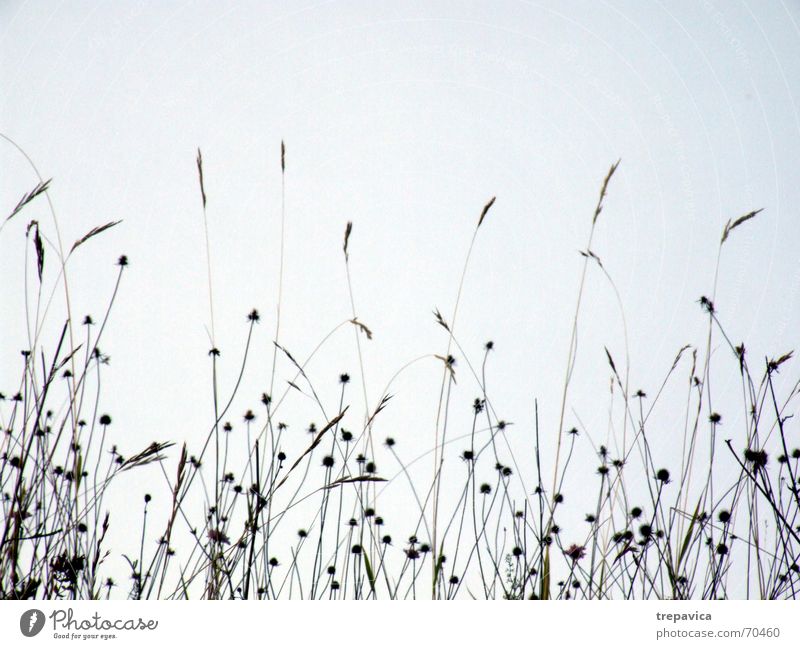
{"x": 31, "y": 622}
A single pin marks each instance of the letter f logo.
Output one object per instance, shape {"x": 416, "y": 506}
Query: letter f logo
{"x": 31, "y": 622}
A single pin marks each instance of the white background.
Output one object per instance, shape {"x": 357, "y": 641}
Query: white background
{"x": 405, "y": 118}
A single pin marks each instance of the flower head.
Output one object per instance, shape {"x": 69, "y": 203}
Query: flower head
{"x": 575, "y": 552}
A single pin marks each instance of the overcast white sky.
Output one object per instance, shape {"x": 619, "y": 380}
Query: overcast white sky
{"x": 406, "y": 118}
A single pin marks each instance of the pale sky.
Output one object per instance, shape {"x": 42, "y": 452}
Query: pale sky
{"x": 405, "y": 118}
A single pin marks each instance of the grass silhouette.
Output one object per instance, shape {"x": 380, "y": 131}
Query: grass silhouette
{"x": 265, "y": 514}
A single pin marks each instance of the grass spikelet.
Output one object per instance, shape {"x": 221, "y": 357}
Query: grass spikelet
{"x": 200, "y": 176}
{"x": 355, "y": 479}
{"x": 603, "y": 190}
{"x": 775, "y": 363}
{"x": 732, "y": 225}
{"x": 364, "y": 328}
{"x": 317, "y": 439}
{"x": 37, "y": 242}
{"x": 92, "y": 233}
{"x": 486, "y": 209}
{"x": 347, "y": 231}
{"x": 152, "y": 453}
{"x": 385, "y": 400}
{"x": 40, "y": 188}
{"x": 440, "y": 320}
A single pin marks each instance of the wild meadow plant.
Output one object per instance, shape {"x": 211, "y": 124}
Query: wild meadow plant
{"x": 264, "y": 514}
